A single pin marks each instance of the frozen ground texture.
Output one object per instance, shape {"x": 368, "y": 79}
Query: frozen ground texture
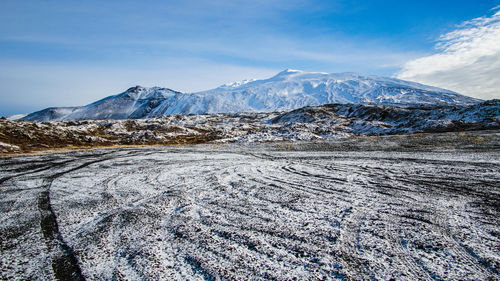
{"x": 303, "y": 211}
{"x": 288, "y": 90}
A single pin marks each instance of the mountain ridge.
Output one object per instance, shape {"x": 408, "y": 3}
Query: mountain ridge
{"x": 287, "y": 90}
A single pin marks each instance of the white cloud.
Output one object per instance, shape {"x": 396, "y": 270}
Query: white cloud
{"x": 468, "y": 60}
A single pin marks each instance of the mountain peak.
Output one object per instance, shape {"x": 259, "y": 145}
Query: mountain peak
{"x": 236, "y": 84}
{"x": 289, "y": 71}
{"x": 135, "y": 89}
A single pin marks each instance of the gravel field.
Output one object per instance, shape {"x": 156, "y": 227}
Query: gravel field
{"x": 254, "y": 212}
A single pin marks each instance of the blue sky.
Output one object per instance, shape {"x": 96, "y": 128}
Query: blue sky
{"x": 63, "y": 53}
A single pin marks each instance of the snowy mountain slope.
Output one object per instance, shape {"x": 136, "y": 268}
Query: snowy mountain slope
{"x": 136, "y": 102}
{"x": 50, "y": 114}
{"x": 288, "y": 90}
{"x": 16, "y": 116}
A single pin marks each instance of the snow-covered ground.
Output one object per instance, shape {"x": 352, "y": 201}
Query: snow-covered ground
{"x": 256, "y": 212}
{"x": 305, "y": 124}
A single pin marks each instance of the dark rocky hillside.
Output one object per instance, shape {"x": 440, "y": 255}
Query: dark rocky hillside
{"x": 327, "y": 122}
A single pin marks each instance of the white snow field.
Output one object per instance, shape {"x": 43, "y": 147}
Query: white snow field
{"x": 257, "y": 212}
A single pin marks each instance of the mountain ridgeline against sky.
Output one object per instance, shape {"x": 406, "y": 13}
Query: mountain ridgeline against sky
{"x": 289, "y": 89}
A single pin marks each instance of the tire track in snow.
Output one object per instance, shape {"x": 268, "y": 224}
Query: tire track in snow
{"x": 199, "y": 214}
{"x": 64, "y": 262}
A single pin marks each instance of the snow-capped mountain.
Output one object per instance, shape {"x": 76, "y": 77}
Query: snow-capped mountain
{"x": 288, "y": 90}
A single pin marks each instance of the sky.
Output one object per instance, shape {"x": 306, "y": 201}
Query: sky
{"x": 67, "y": 53}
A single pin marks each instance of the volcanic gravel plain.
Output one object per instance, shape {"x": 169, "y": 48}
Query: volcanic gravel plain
{"x": 286, "y": 211}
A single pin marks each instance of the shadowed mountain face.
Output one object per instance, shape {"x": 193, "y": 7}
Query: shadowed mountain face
{"x": 288, "y": 90}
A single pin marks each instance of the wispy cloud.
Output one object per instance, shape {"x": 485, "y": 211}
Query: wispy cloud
{"x": 468, "y": 60}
